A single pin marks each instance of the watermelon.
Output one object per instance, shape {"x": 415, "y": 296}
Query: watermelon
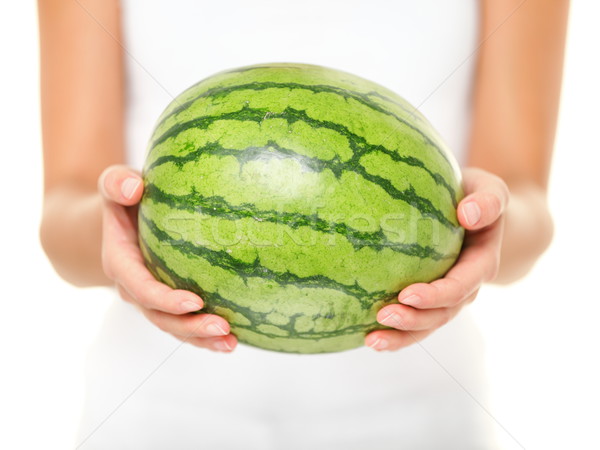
{"x": 297, "y": 200}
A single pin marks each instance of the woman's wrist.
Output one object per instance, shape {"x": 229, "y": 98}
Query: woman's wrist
{"x": 528, "y": 231}
{"x": 71, "y": 232}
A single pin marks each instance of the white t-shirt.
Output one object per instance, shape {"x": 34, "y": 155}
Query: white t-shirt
{"x": 145, "y": 390}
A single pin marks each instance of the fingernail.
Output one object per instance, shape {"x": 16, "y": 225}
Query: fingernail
{"x": 379, "y": 344}
{"x": 189, "y": 306}
{"x": 411, "y": 300}
{"x": 472, "y": 213}
{"x": 129, "y": 186}
{"x": 215, "y": 329}
{"x": 392, "y": 320}
{"x": 222, "y": 346}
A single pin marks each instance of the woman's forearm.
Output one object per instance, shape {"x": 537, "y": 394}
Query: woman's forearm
{"x": 528, "y": 230}
{"x": 82, "y": 103}
{"x": 71, "y": 235}
{"x": 515, "y": 106}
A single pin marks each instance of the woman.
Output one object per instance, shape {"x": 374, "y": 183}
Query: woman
{"x": 94, "y": 124}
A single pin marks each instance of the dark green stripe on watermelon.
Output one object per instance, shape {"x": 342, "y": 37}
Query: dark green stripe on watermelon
{"x": 315, "y": 164}
{"x": 222, "y": 91}
{"x": 245, "y": 270}
{"x": 219, "y": 207}
{"x": 292, "y": 115}
{"x": 217, "y": 304}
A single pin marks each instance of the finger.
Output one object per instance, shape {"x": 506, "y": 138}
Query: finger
{"x": 224, "y": 344}
{"x": 121, "y": 185}
{"x": 140, "y": 286}
{"x": 117, "y": 224}
{"x": 404, "y": 317}
{"x": 393, "y": 339}
{"x": 189, "y": 325}
{"x": 486, "y": 199}
{"x": 154, "y": 295}
{"x": 123, "y": 263}
{"x": 478, "y": 263}
{"x": 481, "y": 253}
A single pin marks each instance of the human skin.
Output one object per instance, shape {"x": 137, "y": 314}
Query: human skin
{"x": 516, "y": 97}
{"x": 88, "y": 227}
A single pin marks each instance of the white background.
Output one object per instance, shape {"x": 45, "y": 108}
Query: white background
{"x": 542, "y": 334}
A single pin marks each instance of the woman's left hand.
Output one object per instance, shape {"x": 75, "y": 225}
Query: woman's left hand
{"x": 425, "y": 307}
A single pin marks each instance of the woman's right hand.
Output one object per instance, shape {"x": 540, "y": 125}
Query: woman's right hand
{"x": 169, "y": 309}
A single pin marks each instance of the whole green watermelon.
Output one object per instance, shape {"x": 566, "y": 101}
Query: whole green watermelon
{"x": 297, "y": 200}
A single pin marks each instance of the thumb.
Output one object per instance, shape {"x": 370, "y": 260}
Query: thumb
{"x": 486, "y": 199}
{"x": 121, "y": 184}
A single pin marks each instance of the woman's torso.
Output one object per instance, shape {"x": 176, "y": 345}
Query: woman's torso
{"x": 179, "y": 396}
{"x": 420, "y": 50}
